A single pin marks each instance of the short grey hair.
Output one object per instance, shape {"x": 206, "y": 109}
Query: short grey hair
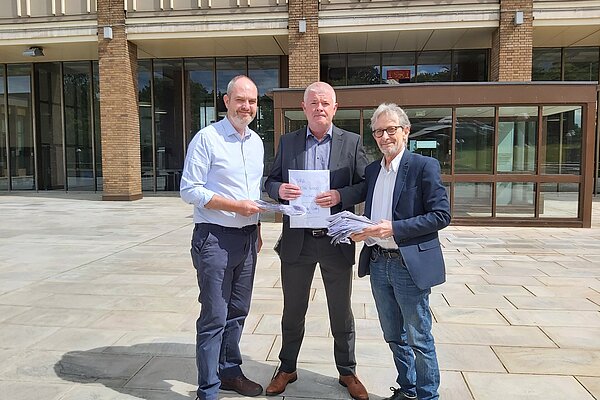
{"x": 234, "y": 80}
{"x": 315, "y": 86}
{"x": 390, "y": 109}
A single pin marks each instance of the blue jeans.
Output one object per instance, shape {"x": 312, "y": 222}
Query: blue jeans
{"x": 225, "y": 261}
{"x": 405, "y": 321}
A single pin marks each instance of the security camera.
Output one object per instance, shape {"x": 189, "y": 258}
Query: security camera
{"x": 34, "y": 52}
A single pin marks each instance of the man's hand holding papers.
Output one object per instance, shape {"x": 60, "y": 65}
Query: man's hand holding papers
{"x": 291, "y": 210}
{"x": 382, "y": 230}
{"x": 344, "y": 224}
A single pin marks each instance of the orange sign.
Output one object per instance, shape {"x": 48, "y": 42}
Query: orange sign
{"x": 398, "y": 74}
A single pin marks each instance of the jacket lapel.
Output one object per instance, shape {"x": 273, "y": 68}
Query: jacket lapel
{"x": 300, "y": 148}
{"x": 336, "y": 148}
{"x": 372, "y": 179}
{"x": 400, "y": 178}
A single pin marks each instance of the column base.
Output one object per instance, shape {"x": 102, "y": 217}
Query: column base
{"x": 122, "y": 197}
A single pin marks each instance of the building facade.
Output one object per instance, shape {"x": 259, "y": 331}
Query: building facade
{"x": 104, "y": 95}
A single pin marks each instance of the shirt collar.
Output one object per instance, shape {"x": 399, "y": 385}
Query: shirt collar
{"x": 328, "y": 133}
{"x": 230, "y": 129}
{"x": 394, "y": 165}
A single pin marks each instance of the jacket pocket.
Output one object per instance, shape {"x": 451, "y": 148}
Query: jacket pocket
{"x": 428, "y": 245}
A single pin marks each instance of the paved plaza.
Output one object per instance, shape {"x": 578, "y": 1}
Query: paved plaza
{"x": 98, "y": 301}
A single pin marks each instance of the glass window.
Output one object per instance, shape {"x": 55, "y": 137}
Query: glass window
{"x": 559, "y": 200}
{"x": 433, "y": 66}
{"x": 199, "y": 83}
{"x": 470, "y": 66}
{"x": 398, "y": 67}
{"x": 475, "y": 135}
{"x": 20, "y": 127}
{"x": 168, "y": 122}
{"x": 51, "y": 173}
{"x": 3, "y": 149}
{"x": 227, "y": 69}
{"x": 562, "y": 138}
{"x": 430, "y": 133}
{"x": 472, "y": 199}
{"x": 515, "y": 199}
{"x": 517, "y": 132}
{"x": 264, "y": 71}
{"x": 145, "y": 109}
{"x": 333, "y": 69}
{"x": 78, "y": 125}
{"x": 348, "y": 120}
{"x": 364, "y": 69}
{"x": 293, "y": 120}
{"x": 97, "y": 130}
{"x": 546, "y": 64}
{"x": 581, "y": 64}
{"x": 369, "y": 143}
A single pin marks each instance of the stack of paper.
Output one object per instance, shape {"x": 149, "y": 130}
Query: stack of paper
{"x": 291, "y": 210}
{"x": 344, "y": 224}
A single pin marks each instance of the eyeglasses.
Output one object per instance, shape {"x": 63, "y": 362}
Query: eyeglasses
{"x": 391, "y": 130}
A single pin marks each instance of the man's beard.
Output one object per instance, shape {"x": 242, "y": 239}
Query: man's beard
{"x": 391, "y": 151}
{"x": 243, "y": 119}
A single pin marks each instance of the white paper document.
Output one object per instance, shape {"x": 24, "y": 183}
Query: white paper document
{"x": 311, "y": 182}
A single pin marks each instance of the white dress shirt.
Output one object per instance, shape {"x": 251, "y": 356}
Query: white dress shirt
{"x": 220, "y": 162}
{"x": 381, "y": 205}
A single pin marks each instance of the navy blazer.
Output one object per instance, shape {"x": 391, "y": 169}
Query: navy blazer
{"x": 420, "y": 208}
{"x": 347, "y": 162}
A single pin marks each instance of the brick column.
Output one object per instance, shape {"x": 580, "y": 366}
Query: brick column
{"x": 512, "y": 45}
{"x": 304, "y": 47}
{"x": 119, "y": 119}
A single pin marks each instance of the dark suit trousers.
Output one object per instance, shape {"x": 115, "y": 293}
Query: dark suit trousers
{"x": 225, "y": 261}
{"x": 296, "y": 279}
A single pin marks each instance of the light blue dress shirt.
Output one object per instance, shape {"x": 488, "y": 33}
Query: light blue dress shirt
{"x": 219, "y": 162}
{"x": 317, "y": 153}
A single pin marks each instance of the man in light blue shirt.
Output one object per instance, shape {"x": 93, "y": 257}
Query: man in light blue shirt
{"x": 221, "y": 178}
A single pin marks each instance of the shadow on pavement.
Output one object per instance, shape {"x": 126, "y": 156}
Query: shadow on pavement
{"x": 167, "y": 371}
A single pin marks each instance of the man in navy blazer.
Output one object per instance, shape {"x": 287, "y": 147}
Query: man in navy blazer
{"x": 402, "y": 253}
{"x": 318, "y": 146}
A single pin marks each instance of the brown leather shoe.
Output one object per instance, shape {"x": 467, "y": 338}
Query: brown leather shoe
{"x": 280, "y": 381}
{"x": 356, "y": 389}
{"x": 242, "y": 385}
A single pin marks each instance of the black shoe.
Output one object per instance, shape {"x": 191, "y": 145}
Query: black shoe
{"x": 399, "y": 395}
{"x": 242, "y": 385}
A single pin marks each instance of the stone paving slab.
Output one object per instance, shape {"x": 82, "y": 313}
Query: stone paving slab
{"x": 106, "y": 309}
{"x": 550, "y": 361}
{"x": 525, "y": 387}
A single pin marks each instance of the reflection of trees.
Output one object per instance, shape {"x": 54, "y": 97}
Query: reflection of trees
{"x": 264, "y": 123}
{"x": 366, "y": 75}
{"x": 581, "y": 71}
{"x": 540, "y": 73}
{"x": 443, "y": 75}
{"x": 145, "y": 94}
{"x": 77, "y": 121}
{"x": 474, "y": 145}
{"x": 200, "y": 100}
{"x": 563, "y": 144}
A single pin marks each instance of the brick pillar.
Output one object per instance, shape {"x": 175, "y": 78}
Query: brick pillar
{"x": 119, "y": 119}
{"x": 304, "y": 47}
{"x": 512, "y": 45}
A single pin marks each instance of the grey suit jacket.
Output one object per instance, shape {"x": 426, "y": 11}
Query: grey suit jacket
{"x": 347, "y": 162}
